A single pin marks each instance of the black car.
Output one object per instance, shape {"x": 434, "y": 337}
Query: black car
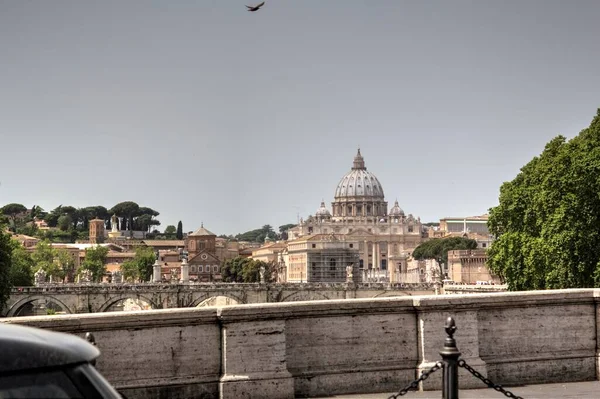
{"x": 44, "y": 364}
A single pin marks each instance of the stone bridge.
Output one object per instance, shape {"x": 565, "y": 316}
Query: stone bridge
{"x": 92, "y": 298}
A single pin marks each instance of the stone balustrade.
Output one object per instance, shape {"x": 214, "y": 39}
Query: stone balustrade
{"x": 320, "y": 348}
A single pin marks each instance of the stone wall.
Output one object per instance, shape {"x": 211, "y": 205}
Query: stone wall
{"x": 302, "y": 349}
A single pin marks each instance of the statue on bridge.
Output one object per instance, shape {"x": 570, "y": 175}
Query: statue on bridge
{"x": 117, "y": 277}
{"x": 39, "y": 277}
{"x": 349, "y": 273}
{"x": 85, "y": 276}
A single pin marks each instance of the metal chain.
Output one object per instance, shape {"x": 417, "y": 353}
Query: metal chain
{"x": 490, "y": 384}
{"x": 415, "y": 383}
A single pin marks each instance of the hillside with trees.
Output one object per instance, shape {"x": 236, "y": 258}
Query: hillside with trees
{"x": 546, "y": 222}
{"x": 68, "y": 223}
{"x": 259, "y": 235}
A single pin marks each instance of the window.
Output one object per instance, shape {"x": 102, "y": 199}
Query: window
{"x": 52, "y": 384}
{"x": 351, "y": 245}
{"x": 360, "y": 264}
{"x": 215, "y": 268}
{"x": 314, "y": 245}
{"x": 200, "y": 269}
{"x": 483, "y": 245}
{"x": 193, "y": 269}
{"x": 383, "y": 264}
{"x": 310, "y": 229}
{"x": 332, "y": 263}
{"x": 410, "y": 229}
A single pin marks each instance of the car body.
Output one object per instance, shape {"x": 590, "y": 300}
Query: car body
{"x": 43, "y": 364}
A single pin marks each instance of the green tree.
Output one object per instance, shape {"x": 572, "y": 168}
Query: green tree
{"x": 5, "y": 267}
{"x": 179, "y": 233}
{"x": 546, "y": 222}
{"x": 21, "y": 269}
{"x": 144, "y": 259}
{"x": 283, "y": 230}
{"x": 66, "y": 264}
{"x": 13, "y": 212}
{"x": 245, "y": 270}
{"x": 95, "y": 262}
{"x": 65, "y": 222}
{"x": 43, "y": 258}
{"x": 127, "y": 210}
{"x": 232, "y": 269}
{"x": 170, "y": 232}
{"x": 130, "y": 270}
{"x": 437, "y": 249}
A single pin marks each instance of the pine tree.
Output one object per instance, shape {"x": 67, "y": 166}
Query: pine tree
{"x": 179, "y": 231}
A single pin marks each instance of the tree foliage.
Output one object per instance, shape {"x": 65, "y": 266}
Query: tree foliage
{"x": 246, "y": 270}
{"x": 179, "y": 233}
{"x": 21, "y": 269}
{"x": 95, "y": 262}
{"x": 437, "y": 248}
{"x": 43, "y": 258}
{"x": 546, "y": 222}
{"x": 140, "y": 267}
{"x": 170, "y": 232}
{"x": 283, "y": 230}
{"x": 5, "y": 267}
{"x": 258, "y": 235}
{"x": 13, "y": 211}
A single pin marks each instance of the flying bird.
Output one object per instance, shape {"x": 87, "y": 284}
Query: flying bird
{"x": 256, "y": 7}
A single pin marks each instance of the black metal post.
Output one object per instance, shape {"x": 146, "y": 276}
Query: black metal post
{"x": 450, "y": 355}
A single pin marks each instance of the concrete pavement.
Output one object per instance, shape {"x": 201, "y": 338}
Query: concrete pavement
{"x": 572, "y": 390}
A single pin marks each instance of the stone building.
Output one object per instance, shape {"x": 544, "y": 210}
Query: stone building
{"x": 322, "y": 258}
{"x": 202, "y": 256}
{"x": 474, "y": 227}
{"x": 97, "y": 231}
{"x": 469, "y": 267}
{"x": 360, "y": 214}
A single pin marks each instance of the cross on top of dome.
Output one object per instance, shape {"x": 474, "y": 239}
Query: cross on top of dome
{"x": 359, "y": 162}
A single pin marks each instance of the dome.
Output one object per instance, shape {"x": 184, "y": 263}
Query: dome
{"x": 359, "y": 182}
{"x": 323, "y": 211}
{"x": 396, "y": 210}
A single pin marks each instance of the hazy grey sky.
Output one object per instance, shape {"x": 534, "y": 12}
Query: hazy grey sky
{"x": 206, "y": 112}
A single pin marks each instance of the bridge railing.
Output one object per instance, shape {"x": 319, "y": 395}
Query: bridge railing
{"x": 449, "y": 365}
{"x": 220, "y": 285}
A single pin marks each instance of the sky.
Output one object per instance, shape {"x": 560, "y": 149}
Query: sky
{"x": 212, "y": 114}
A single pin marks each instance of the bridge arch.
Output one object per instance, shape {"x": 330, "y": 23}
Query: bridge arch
{"x": 304, "y": 296}
{"x": 112, "y": 301}
{"x": 14, "y": 309}
{"x": 203, "y": 298}
{"x": 391, "y": 294}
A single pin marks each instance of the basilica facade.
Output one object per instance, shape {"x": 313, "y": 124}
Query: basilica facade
{"x": 359, "y": 214}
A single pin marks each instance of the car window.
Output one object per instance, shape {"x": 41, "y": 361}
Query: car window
{"x": 38, "y": 385}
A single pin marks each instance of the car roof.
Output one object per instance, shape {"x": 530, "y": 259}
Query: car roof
{"x": 26, "y": 348}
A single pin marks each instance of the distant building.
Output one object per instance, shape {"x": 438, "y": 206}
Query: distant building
{"x": 469, "y": 267}
{"x": 26, "y": 241}
{"x": 97, "y": 231}
{"x": 202, "y": 256}
{"x": 383, "y": 239}
{"x": 474, "y": 227}
{"x": 322, "y": 258}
